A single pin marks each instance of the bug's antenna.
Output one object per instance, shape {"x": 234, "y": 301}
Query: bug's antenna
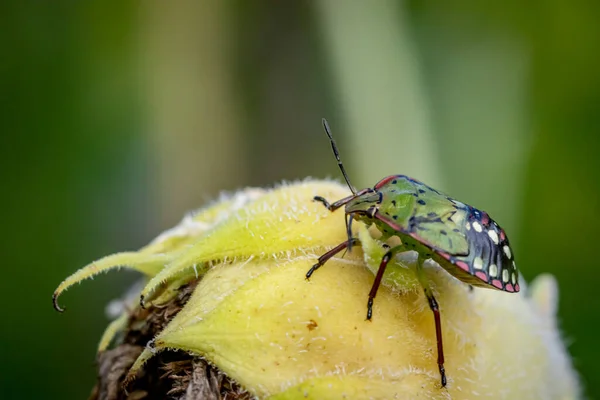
{"x": 336, "y": 153}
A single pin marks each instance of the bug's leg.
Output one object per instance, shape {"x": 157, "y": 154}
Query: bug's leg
{"x": 433, "y": 305}
{"x": 325, "y": 257}
{"x": 341, "y": 202}
{"x": 335, "y": 205}
{"x": 382, "y": 266}
{"x": 349, "y": 218}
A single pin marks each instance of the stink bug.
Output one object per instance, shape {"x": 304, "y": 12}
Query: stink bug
{"x": 463, "y": 240}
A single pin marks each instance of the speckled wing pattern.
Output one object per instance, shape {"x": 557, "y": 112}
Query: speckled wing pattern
{"x": 464, "y": 236}
{"x": 490, "y": 256}
{"x": 438, "y": 221}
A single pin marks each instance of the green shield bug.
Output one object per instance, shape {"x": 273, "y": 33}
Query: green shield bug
{"x": 463, "y": 240}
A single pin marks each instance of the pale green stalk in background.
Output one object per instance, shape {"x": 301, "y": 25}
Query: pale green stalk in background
{"x": 376, "y": 75}
{"x": 462, "y": 130}
{"x": 478, "y": 86}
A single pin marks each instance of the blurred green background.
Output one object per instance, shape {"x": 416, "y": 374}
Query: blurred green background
{"x": 118, "y": 117}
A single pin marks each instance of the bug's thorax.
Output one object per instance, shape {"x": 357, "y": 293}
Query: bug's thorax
{"x": 395, "y": 201}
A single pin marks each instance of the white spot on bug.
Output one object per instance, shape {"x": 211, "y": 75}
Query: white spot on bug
{"x": 493, "y": 235}
{"x": 513, "y": 278}
{"x": 507, "y": 252}
{"x": 505, "y": 276}
{"x": 493, "y": 270}
{"x": 468, "y": 226}
{"x": 477, "y": 226}
{"x": 478, "y": 263}
{"x": 514, "y": 265}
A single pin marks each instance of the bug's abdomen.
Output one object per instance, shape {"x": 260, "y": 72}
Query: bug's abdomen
{"x": 490, "y": 260}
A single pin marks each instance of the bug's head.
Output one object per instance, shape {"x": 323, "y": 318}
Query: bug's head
{"x": 362, "y": 207}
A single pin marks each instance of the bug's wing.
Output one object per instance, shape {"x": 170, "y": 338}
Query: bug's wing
{"x": 490, "y": 257}
{"x": 440, "y": 223}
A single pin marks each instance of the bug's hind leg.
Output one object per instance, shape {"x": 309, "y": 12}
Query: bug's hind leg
{"x": 433, "y": 305}
{"x": 380, "y": 271}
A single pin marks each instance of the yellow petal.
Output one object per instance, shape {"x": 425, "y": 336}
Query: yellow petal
{"x": 111, "y": 331}
{"x": 275, "y": 333}
{"x": 364, "y": 387}
{"x": 276, "y": 329}
{"x": 148, "y": 264}
{"x": 162, "y": 250}
{"x": 174, "y": 286}
{"x": 195, "y": 224}
{"x": 280, "y": 224}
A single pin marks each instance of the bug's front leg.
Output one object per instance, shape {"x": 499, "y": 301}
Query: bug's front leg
{"x": 333, "y": 206}
{"x": 325, "y": 257}
{"x": 433, "y": 305}
{"x": 341, "y": 202}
